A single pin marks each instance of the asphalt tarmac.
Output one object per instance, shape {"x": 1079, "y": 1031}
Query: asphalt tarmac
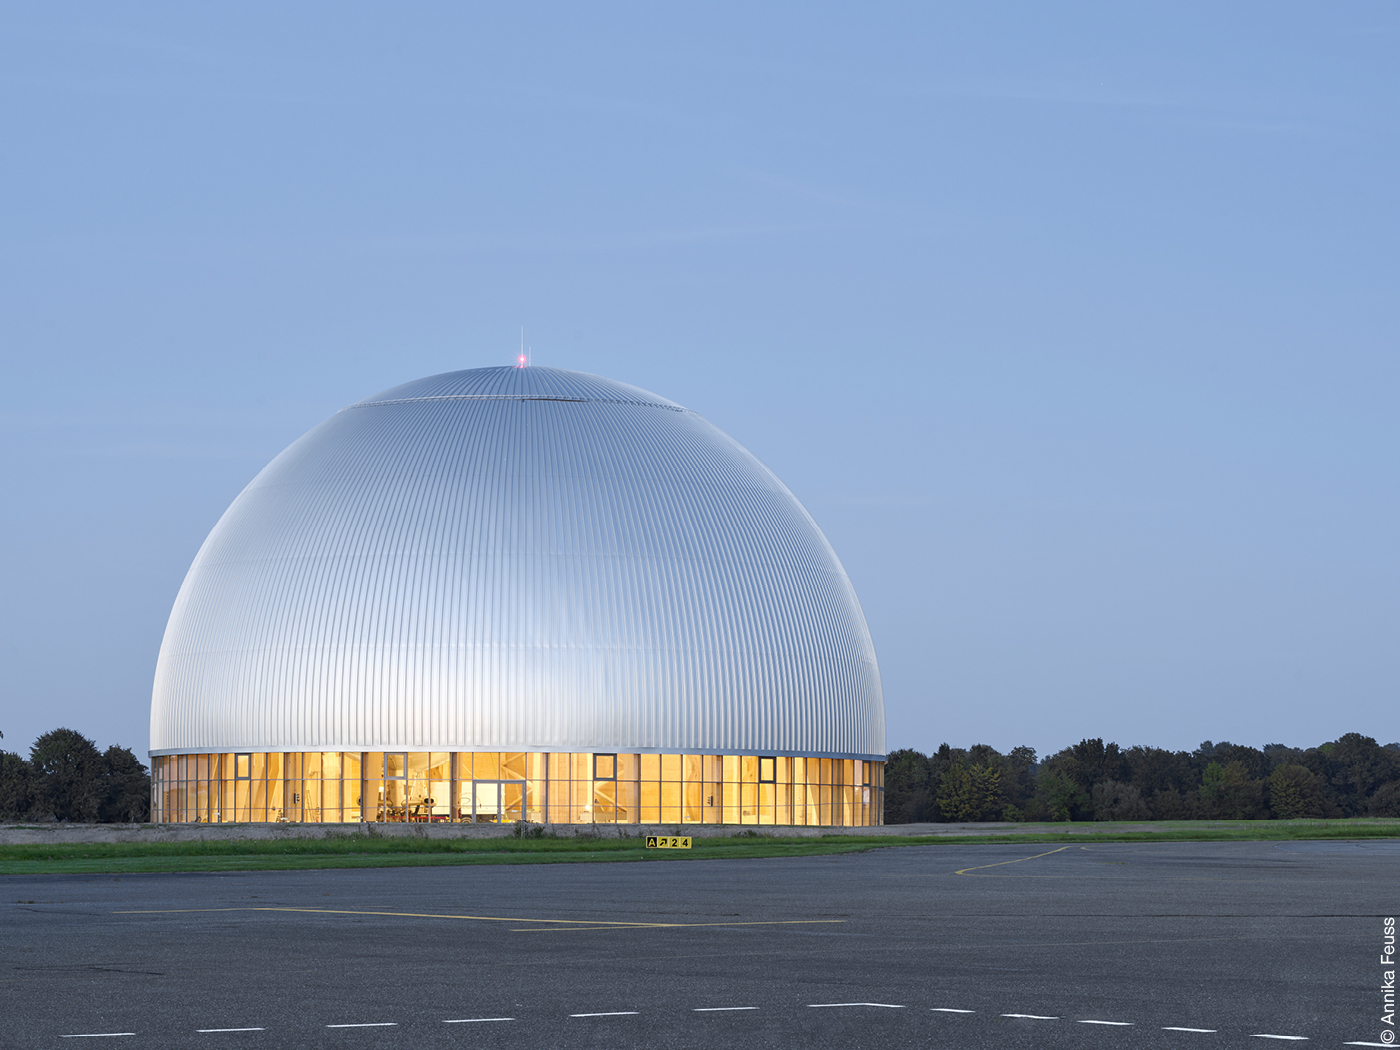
{"x": 1174, "y": 945}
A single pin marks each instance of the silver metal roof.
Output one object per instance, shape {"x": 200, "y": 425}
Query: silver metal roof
{"x": 517, "y": 559}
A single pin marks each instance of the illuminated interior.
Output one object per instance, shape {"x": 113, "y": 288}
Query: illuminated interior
{"x": 504, "y": 787}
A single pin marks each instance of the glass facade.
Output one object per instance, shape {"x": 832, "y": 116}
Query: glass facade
{"x": 503, "y": 787}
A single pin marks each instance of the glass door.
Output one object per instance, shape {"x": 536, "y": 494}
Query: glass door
{"x": 494, "y": 801}
{"x": 486, "y": 801}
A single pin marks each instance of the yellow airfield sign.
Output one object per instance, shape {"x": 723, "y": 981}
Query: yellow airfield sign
{"x": 668, "y": 842}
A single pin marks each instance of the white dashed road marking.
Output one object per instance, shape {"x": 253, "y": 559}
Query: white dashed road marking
{"x": 949, "y": 1010}
{"x": 94, "y": 1035}
{"x": 371, "y": 1024}
{"x": 1173, "y": 1028}
{"x": 1369, "y": 1044}
{"x": 1120, "y": 1024}
{"x": 612, "y": 1013}
{"x": 886, "y": 1006}
{"x": 720, "y": 1009}
{"x": 1032, "y": 1017}
{"x": 1266, "y": 1035}
{"x": 207, "y": 1030}
{"x": 473, "y": 1020}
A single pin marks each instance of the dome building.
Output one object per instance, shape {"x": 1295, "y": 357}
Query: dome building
{"x": 517, "y": 594}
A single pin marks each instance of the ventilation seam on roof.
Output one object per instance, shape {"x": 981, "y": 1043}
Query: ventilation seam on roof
{"x": 514, "y": 397}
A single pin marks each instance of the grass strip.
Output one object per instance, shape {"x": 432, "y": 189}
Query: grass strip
{"x": 357, "y": 850}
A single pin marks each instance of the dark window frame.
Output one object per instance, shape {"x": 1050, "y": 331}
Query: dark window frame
{"x": 385, "y": 769}
{"x": 611, "y": 757}
{"x": 772, "y": 777}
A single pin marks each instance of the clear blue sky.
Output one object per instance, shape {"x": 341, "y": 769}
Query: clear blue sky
{"x": 1073, "y": 325}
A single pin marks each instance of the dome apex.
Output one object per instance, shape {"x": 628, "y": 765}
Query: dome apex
{"x": 526, "y": 384}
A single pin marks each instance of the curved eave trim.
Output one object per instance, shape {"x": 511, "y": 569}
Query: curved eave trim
{"x": 552, "y": 749}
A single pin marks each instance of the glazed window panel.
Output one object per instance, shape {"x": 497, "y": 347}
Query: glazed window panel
{"x": 767, "y": 803}
{"x": 604, "y": 794}
{"x": 713, "y": 805}
{"x": 438, "y": 804}
{"x": 650, "y": 800}
{"x": 582, "y": 808}
{"x": 429, "y": 786}
{"x": 276, "y": 792}
{"x": 748, "y": 813}
{"x": 731, "y": 769}
{"x": 440, "y": 765}
{"x": 729, "y": 800}
{"x": 627, "y": 795}
{"x": 257, "y": 791}
{"x": 628, "y": 767}
{"x": 311, "y": 800}
{"x": 694, "y": 809}
{"x": 670, "y": 802}
{"x": 582, "y": 766}
{"x": 712, "y": 766}
{"x": 486, "y": 765}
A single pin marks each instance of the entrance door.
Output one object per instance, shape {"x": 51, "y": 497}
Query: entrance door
{"x": 494, "y": 801}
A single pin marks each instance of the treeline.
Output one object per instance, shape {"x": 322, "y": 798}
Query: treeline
{"x": 66, "y": 778}
{"x": 1349, "y": 777}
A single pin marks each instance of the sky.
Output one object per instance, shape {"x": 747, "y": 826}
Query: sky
{"x": 1074, "y": 326}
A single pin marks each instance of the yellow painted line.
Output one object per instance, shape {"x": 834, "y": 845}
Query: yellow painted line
{"x": 672, "y": 925}
{"x": 392, "y": 914}
{"x": 573, "y": 924}
{"x": 1018, "y": 860}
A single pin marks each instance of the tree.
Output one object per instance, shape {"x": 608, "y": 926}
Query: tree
{"x": 68, "y": 776}
{"x": 1089, "y": 762}
{"x": 972, "y": 791}
{"x": 1018, "y": 779}
{"x": 1253, "y": 761}
{"x": 1153, "y": 769}
{"x": 1294, "y": 792}
{"x": 1114, "y": 800}
{"x": 14, "y": 786}
{"x": 1359, "y": 766}
{"x": 908, "y": 799}
{"x": 1171, "y": 804}
{"x": 1058, "y": 796}
{"x": 128, "y": 796}
{"x": 1386, "y": 801}
{"x": 1229, "y": 793}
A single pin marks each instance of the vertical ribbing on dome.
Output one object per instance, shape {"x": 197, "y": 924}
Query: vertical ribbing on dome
{"x": 517, "y": 559}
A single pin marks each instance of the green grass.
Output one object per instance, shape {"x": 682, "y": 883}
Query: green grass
{"x": 355, "y": 850}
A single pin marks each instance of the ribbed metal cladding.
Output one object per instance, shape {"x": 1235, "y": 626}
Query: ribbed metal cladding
{"x": 517, "y": 559}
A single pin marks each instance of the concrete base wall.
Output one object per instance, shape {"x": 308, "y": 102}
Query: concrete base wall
{"x": 50, "y": 834}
